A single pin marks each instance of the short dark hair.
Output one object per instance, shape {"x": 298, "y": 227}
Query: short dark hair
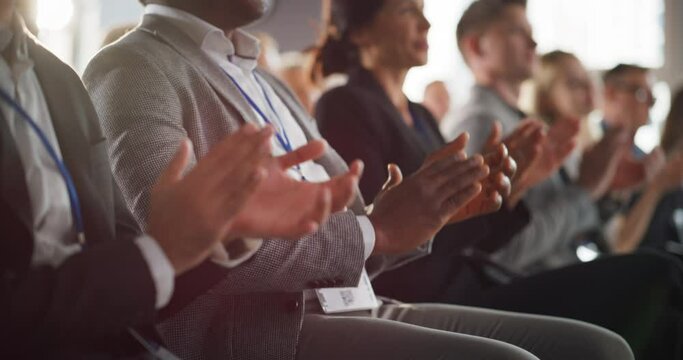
{"x": 480, "y": 15}
{"x": 614, "y": 75}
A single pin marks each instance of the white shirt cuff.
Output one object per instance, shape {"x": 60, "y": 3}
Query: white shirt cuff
{"x": 160, "y": 268}
{"x": 368, "y": 232}
{"x": 229, "y": 258}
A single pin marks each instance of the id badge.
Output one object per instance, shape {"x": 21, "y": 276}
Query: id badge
{"x": 341, "y": 300}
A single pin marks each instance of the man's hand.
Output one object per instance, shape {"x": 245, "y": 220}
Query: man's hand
{"x": 671, "y": 176}
{"x": 190, "y": 214}
{"x": 634, "y": 173}
{"x": 600, "y": 163}
{"x": 284, "y": 207}
{"x": 408, "y": 213}
{"x": 495, "y": 187}
{"x": 555, "y": 146}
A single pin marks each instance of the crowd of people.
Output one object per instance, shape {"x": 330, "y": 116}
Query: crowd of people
{"x": 195, "y": 195}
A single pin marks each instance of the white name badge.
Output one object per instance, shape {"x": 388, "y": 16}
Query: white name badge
{"x": 340, "y": 300}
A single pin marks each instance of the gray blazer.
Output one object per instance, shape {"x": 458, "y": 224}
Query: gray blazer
{"x": 154, "y": 88}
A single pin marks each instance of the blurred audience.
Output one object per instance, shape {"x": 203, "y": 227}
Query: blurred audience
{"x": 269, "y": 57}
{"x": 662, "y": 199}
{"x": 296, "y": 71}
{"x": 437, "y": 100}
{"x": 496, "y": 41}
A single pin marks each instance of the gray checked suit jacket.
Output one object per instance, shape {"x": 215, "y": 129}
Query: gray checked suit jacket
{"x": 151, "y": 90}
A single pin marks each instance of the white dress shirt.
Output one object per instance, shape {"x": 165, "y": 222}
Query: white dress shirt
{"x": 54, "y": 234}
{"x": 238, "y": 56}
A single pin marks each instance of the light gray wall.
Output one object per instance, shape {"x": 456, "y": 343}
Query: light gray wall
{"x": 672, "y": 71}
{"x": 300, "y": 18}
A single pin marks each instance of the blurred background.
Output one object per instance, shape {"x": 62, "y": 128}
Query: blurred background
{"x": 602, "y": 33}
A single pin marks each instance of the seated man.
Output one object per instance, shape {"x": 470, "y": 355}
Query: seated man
{"x": 76, "y": 274}
{"x": 189, "y": 71}
{"x": 496, "y": 41}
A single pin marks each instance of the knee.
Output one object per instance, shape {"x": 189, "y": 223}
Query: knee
{"x": 597, "y": 343}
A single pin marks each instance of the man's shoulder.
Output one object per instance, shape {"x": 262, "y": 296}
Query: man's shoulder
{"x": 139, "y": 48}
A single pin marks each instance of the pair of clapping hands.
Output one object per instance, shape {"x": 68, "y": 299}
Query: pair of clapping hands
{"x": 239, "y": 190}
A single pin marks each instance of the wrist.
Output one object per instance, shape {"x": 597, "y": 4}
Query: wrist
{"x": 381, "y": 238}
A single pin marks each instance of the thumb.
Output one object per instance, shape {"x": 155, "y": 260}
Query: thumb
{"x": 174, "y": 171}
{"x": 495, "y": 137}
{"x": 395, "y": 177}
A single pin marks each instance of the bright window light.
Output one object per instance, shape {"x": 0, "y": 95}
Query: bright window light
{"x": 54, "y": 15}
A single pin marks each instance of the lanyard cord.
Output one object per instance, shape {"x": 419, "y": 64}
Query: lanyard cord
{"x": 156, "y": 350}
{"x": 66, "y": 175}
{"x": 280, "y": 133}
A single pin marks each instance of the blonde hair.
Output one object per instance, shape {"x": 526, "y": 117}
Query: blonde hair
{"x": 546, "y": 76}
{"x": 672, "y": 137}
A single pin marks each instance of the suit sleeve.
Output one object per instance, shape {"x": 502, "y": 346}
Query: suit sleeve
{"x": 94, "y": 295}
{"x": 143, "y": 117}
{"x": 556, "y": 216}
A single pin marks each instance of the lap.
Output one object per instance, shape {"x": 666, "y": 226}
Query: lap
{"x": 454, "y": 332}
{"x": 341, "y": 338}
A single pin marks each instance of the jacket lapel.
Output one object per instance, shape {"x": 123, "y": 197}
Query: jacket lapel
{"x": 214, "y": 75}
{"x": 331, "y": 161}
{"x": 13, "y": 187}
{"x": 366, "y": 79}
{"x": 70, "y": 116}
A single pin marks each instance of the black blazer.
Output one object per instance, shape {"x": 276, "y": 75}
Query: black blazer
{"x": 85, "y": 306}
{"x": 360, "y": 122}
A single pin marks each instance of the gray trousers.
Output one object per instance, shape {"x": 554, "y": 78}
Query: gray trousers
{"x": 444, "y": 332}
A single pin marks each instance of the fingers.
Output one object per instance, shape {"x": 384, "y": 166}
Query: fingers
{"x": 495, "y": 136}
{"x": 318, "y": 214}
{"x": 460, "y": 177}
{"x": 309, "y": 152}
{"x": 343, "y": 188}
{"x": 496, "y": 159}
{"x": 461, "y": 198}
{"x": 237, "y": 156}
{"x": 455, "y": 148}
{"x": 174, "y": 171}
{"x": 451, "y": 168}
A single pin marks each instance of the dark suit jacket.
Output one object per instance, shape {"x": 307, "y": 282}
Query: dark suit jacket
{"x": 84, "y": 306}
{"x": 360, "y": 122}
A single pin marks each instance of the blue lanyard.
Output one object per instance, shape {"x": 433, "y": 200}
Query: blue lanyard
{"x": 280, "y": 133}
{"x": 70, "y": 186}
{"x": 155, "y": 349}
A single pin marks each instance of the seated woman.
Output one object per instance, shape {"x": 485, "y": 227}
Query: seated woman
{"x": 665, "y": 231}
{"x": 370, "y": 118}
{"x": 563, "y": 89}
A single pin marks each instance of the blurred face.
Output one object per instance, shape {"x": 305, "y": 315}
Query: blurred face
{"x": 507, "y": 48}
{"x": 398, "y": 36}
{"x": 572, "y": 94}
{"x": 631, "y": 99}
{"x": 6, "y": 9}
{"x": 437, "y": 100}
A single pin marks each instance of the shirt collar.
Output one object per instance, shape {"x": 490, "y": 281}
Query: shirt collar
{"x": 13, "y": 38}
{"x": 241, "y": 49}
